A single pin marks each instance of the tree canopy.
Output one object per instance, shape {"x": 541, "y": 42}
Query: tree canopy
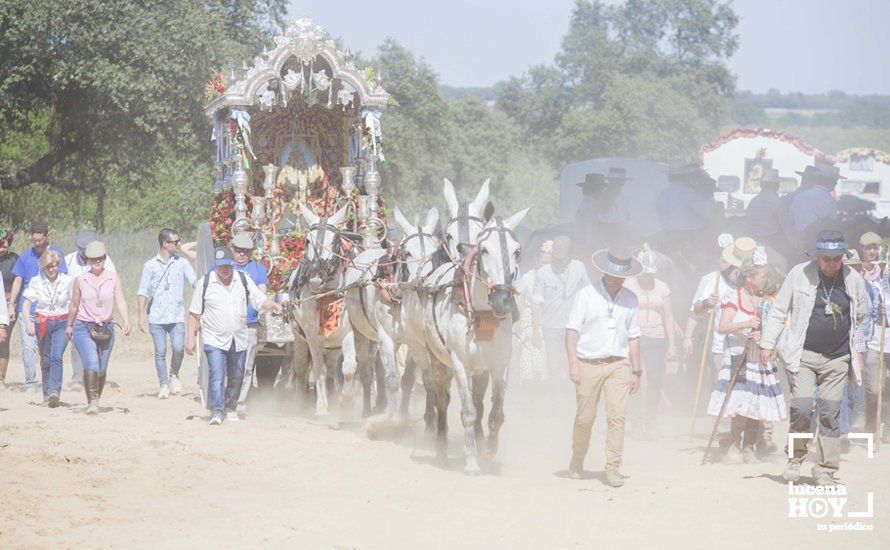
{"x": 110, "y": 89}
{"x": 101, "y": 115}
{"x": 638, "y": 78}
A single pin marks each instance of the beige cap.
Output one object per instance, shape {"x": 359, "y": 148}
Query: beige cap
{"x": 869, "y": 239}
{"x": 737, "y": 252}
{"x": 243, "y": 240}
{"x": 95, "y": 249}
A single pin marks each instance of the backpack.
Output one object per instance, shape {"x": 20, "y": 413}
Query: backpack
{"x": 207, "y": 282}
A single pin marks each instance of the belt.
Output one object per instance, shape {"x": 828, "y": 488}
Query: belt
{"x": 44, "y": 318}
{"x": 601, "y": 360}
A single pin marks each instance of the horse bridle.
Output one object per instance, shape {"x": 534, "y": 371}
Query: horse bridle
{"x": 318, "y": 265}
{"x": 463, "y": 219}
{"x": 424, "y": 258}
{"x": 502, "y": 232}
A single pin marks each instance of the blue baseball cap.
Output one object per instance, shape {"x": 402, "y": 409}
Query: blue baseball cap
{"x": 222, "y": 255}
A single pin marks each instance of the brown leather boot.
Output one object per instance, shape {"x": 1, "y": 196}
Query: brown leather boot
{"x": 101, "y": 383}
{"x": 91, "y": 387}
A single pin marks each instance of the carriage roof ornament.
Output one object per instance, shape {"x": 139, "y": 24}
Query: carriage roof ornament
{"x": 304, "y": 41}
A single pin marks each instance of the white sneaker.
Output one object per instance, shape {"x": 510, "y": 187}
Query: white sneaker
{"x": 175, "y": 385}
{"x": 232, "y": 416}
{"x": 215, "y": 420}
{"x": 164, "y": 392}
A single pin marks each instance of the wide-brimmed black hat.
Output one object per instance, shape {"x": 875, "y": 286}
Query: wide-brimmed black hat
{"x": 616, "y": 262}
{"x": 592, "y": 180}
{"x": 770, "y": 176}
{"x": 821, "y": 172}
{"x": 829, "y": 243}
{"x": 690, "y": 173}
{"x": 617, "y": 175}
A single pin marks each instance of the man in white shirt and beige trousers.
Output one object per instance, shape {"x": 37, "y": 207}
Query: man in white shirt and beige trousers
{"x": 603, "y": 346}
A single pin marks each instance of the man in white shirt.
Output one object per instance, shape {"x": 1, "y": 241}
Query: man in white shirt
{"x": 556, "y": 287}
{"x": 77, "y": 265}
{"x": 219, "y": 309}
{"x": 603, "y": 347}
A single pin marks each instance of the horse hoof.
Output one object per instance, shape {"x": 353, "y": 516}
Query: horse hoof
{"x": 491, "y": 448}
{"x": 472, "y": 469}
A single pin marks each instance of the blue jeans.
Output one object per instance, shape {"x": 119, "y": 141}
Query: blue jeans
{"x": 226, "y": 374}
{"x": 29, "y": 355}
{"x": 52, "y": 349}
{"x": 177, "y": 343}
{"x": 76, "y": 366}
{"x": 89, "y": 350}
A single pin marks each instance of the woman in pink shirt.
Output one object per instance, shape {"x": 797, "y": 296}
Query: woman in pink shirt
{"x": 657, "y": 343}
{"x": 93, "y": 298}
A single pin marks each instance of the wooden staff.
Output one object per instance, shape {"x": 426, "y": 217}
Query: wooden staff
{"x": 879, "y": 428}
{"x": 704, "y": 358}
{"x": 732, "y": 380}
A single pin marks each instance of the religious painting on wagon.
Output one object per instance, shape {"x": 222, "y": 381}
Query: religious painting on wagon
{"x": 754, "y": 171}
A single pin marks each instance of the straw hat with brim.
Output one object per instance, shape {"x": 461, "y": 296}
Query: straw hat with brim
{"x": 829, "y": 243}
{"x": 617, "y": 263}
{"x": 95, "y": 249}
{"x": 739, "y": 251}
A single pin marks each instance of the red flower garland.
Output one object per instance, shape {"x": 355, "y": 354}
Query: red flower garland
{"x": 214, "y": 87}
{"x": 222, "y": 216}
{"x": 758, "y": 132}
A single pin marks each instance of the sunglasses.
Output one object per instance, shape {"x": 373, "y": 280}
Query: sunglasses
{"x": 242, "y": 251}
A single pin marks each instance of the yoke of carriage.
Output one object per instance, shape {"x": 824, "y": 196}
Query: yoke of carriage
{"x": 299, "y": 126}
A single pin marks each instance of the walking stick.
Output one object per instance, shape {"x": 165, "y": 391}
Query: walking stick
{"x": 732, "y": 380}
{"x": 704, "y": 358}
{"x": 879, "y": 428}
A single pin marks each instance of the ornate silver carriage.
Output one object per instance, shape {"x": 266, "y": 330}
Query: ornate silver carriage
{"x": 299, "y": 126}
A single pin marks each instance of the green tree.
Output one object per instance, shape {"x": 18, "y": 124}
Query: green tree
{"x": 118, "y": 85}
{"x": 418, "y": 127}
{"x": 639, "y": 78}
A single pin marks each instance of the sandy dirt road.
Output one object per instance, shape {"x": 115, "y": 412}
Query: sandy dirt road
{"x": 150, "y": 473}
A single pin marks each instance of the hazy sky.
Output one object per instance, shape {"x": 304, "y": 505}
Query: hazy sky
{"x": 792, "y": 45}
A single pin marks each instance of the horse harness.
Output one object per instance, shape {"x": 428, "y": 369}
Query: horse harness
{"x": 463, "y": 219}
{"x": 463, "y": 269}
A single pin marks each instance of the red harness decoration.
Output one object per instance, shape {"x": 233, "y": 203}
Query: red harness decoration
{"x": 329, "y": 309}
{"x": 485, "y": 323}
{"x": 464, "y": 299}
